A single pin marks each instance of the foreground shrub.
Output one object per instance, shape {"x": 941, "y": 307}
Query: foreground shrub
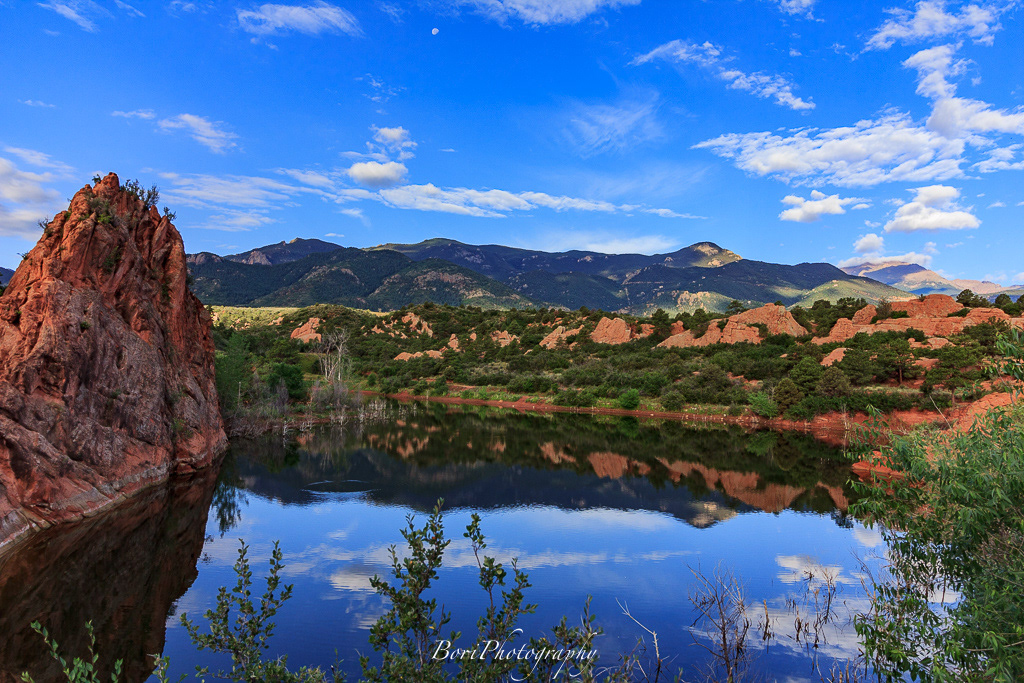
{"x": 951, "y": 607}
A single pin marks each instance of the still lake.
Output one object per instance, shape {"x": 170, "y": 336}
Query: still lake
{"x": 614, "y": 508}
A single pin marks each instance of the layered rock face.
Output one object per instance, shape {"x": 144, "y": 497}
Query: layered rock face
{"x": 106, "y": 363}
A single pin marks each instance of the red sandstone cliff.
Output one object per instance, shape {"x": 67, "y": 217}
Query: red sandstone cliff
{"x": 106, "y": 363}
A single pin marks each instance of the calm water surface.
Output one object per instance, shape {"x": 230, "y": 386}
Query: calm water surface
{"x": 604, "y": 507}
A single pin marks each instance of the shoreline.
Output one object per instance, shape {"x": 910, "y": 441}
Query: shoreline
{"x": 833, "y": 428}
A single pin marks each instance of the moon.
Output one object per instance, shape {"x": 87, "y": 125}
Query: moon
{"x": 435, "y": 31}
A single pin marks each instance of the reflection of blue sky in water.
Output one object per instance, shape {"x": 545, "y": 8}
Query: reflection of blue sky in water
{"x": 619, "y": 537}
{"x": 639, "y": 557}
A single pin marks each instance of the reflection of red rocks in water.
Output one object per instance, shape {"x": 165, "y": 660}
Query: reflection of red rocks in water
{"x": 743, "y": 486}
{"x": 106, "y": 363}
{"x": 122, "y": 569}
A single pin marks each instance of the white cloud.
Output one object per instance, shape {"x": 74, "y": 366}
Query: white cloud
{"x": 332, "y": 234}
{"x": 930, "y": 21}
{"x": 76, "y": 11}
{"x": 38, "y": 103}
{"x": 374, "y": 174}
{"x": 820, "y": 204}
{"x": 543, "y": 11}
{"x": 1001, "y": 159}
{"x": 923, "y": 260}
{"x": 146, "y": 114}
{"x": 710, "y": 56}
{"x": 209, "y": 133}
{"x": 996, "y": 205}
{"x": 395, "y": 140}
{"x": 890, "y": 148}
{"x": 954, "y": 116}
{"x": 869, "y": 243}
{"x": 861, "y": 206}
{"x": 934, "y": 208}
{"x": 25, "y": 197}
{"x": 597, "y": 128}
{"x": 314, "y": 19}
{"x": 606, "y": 243}
{"x": 804, "y": 8}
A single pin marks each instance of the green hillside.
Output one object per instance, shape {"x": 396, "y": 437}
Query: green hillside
{"x": 376, "y": 280}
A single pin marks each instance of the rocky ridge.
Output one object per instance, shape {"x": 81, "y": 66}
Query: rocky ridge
{"x": 106, "y": 363}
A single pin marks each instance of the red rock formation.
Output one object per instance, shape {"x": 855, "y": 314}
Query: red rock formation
{"x": 558, "y": 335}
{"x": 834, "y": 357}
{"x": 743, "y": 327}
{"x": 307, "y": 332}
{"x": 106, "y": 364}
{"x": 503, "y": 338}
{"x": 611, "y": 331}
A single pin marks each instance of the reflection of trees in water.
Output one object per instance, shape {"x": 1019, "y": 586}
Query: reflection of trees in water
{"x": 228, "y": 495}
{"x": 411, "y": 454}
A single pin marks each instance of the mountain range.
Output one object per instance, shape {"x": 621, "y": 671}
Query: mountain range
{"x": 5, "y": 276}
{"x": 702, "y": 275}
{"x": 916, "y": 279}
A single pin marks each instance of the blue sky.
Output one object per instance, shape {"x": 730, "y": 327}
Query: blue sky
{"x": 785, "y": 130}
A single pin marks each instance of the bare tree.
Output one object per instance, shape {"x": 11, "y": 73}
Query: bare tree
{"x": 722, "y": 621}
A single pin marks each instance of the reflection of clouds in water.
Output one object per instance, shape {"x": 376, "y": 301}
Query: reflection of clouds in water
{"x": 869, "y": 538}
{"x": 353, "y": 577}
{"x": 594, "y": 520}
{"x": 805, "y": 567}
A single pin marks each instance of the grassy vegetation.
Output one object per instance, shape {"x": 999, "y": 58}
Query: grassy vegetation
{"x": 782, "y": 375}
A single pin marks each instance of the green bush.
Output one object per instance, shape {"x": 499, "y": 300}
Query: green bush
{"x": 629, "y": 400}
{"x": 672, "y": 400}
{"x": 762, "y": 404}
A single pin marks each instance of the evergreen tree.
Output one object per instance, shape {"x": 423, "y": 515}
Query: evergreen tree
{"x": 787, "y": 395}
{"x": 805, "y": 374}
{"x": 833, "y": 383}
{"x": 858, "y": 366}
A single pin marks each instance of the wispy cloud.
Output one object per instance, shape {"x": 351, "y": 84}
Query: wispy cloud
{"x": 78, "y": 11}
{"x": 929, "y": 20}
{"x": 711, "y": 57}
{"x": 606, "y": 242}
{"x": 313, "y": 19}
{"x": 210, "y": 134}
{"x": 146, "y": 114}
{"x": 38, "y": 103}
{"x": 801, "y": 8}
{"x": 596, "y": 128}
{"x": 128, "y": 9}
{"x": 543, "y": 11}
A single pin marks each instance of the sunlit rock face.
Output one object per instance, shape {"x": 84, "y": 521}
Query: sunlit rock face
{"x": 121, "y": 570}
{"x": 106, "y": 363}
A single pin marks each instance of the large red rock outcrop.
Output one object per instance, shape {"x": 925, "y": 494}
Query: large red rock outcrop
{"x": 929, "y": 314}
{"x": 106, "y": 364}
{"x": 743, "y": 327}
{"x": 307, "y": 332}
{"x": 611, "y": 331}
{"x": 559, "y": 335}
